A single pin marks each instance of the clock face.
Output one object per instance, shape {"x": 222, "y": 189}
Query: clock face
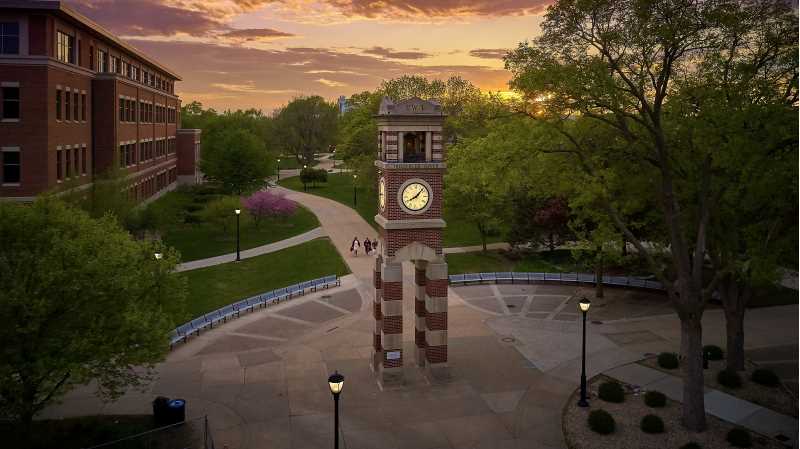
{"x": 382, "y": 194}
{"x": 416, "y": 196}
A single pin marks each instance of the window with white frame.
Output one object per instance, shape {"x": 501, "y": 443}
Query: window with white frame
{"x": 9, "y": 38}
{"x": 65, "y": 47}
{"x": 9, "y": 98}
{"x": 12, "y": 164}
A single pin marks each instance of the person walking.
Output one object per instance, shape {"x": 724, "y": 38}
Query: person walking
{"x": 367, "y": 246}
{"x": 354, "y": 246}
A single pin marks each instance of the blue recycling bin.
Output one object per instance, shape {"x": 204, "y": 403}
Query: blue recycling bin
{"x": 177, "y": 410}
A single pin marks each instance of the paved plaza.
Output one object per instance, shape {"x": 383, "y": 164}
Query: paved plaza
{"x": 513, "y": 357}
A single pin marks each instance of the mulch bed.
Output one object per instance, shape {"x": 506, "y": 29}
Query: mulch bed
{"x": 778, "y": 399}
{"x": 628, "y": 434}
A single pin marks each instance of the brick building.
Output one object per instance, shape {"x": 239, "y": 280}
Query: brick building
{"x": 76, "y": 102}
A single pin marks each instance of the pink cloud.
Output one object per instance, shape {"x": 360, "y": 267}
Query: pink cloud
{"x": 489, "y": 53}
{"x": 391, "y": 53}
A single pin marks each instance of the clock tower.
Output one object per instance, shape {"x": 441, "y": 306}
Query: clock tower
{"x": 410, "y": 164}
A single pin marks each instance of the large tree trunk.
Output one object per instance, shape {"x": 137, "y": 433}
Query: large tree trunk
{"x": 598, "y": 274}
{"x": 694, "y": 414}
{"x": 482, "y": 231}
{"x": 734, "y": 296}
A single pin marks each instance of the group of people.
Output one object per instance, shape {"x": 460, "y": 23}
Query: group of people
{"x": 370, "y": 246}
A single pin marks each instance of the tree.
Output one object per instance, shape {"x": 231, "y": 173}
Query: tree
{"x": 222, "y": 211}
{"x": 81, "y": 301}
{"x": 539, "y": 220}
{"x": 306, "y": 126}
{"x": 264, "y": 204}
{"x": 616, "y": 63}
{"x": 236, "y": 159}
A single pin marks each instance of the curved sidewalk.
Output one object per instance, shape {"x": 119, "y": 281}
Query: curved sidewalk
{"x": 253, "y": 252}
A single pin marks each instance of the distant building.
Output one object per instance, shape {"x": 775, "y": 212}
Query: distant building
{"x": 75, "y": 101}
{"x": 344, "y": 105}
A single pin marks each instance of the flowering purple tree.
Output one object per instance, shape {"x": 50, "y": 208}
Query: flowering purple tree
{"x": 265, "y": 204}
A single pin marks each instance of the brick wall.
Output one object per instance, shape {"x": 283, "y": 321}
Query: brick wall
{"x": 398, "y": 238}
{"x": 394, "y": 180}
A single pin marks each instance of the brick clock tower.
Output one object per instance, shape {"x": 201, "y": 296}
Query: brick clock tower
{"x": 411, "y": 164}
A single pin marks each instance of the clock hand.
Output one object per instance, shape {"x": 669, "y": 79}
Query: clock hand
{"x": 415, "y": 196}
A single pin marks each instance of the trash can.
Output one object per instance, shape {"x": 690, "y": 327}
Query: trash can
{"x": 177, "y": 411}
{"x": 161, "y": 415}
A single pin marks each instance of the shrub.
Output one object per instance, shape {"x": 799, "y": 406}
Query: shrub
{"x": 652, "y": 424}
{"x": 602, "y": 422}
{"x": 766, "y": 377}
{"x": 655, "y": 399}
{"x": 714, "y": 352}
{"x": 729, "y": 379}
{"x": 192, "y": 218}
{"x": 668, "y": 360}
{"x": 265, "y": 204}
{"x": 739, "y": 437}
{"x": 691, "y": 445}
{"x": 611, "y": 392}
{"x": 193, "y": 207}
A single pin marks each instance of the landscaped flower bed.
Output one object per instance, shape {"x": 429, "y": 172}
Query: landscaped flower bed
{"x": 776, "y": 398}
{"x": 628, "y": 431}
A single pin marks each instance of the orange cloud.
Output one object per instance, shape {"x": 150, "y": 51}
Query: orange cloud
{"x": 255, "y": 34}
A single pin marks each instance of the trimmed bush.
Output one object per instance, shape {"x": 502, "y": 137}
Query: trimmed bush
{"x": 739, "y": 437}
{"x": 194, "y": 208}
{"x": 714, "y": 352}
{"x": 668, "y": 360}
{"x": 691, "y": 445}
{"x": 600, "y": 421}
{"x": 652, "y": 424}
{"x": 611, "y": 391}
{"x": 766, "y": 377}
{"x": 655, "y": 399}
{"x": 729, "y": 379}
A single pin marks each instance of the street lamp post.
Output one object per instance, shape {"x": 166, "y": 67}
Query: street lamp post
{"x": 279, "y": 169}
{"x": 158, "y": 256}
{"x": 238, "y": 212}
{"x": 336, "y": 383}
{"x": 355, "y": 194}
{"x": 303, "y": 175}
{"x": 334, "y": 158}
{"x": 584, "y": 307}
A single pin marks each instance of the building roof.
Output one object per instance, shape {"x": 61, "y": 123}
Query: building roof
{"x": 61, "y": 7}
{"x": 411, "y": 107}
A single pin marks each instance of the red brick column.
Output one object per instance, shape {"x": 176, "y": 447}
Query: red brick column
{"x": 391, "y": 369}
{"x": 377, "y": 349}
{"x": 436, "y": 315}
{"x": 419, "y": 311}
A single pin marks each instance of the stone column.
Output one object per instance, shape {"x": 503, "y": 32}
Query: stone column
{"x": 419, "y": 311}
{"x": 428, "y": 146}
{"x": 436, "y": 319}
{"x": 391, "y": 369}
{"x": 377, "y": 349}
{"x": 400, "y": 146}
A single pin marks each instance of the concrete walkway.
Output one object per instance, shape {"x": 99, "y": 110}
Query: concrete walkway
{"x": 476, "y": 248}
{"x": 719, "y": 404}
{"x": 253, "y": 252}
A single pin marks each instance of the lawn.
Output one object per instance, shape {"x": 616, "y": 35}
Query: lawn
{"x": 76, "y": 433}
{"x": 340, "y": 188}
{"x": 213, "y": 287}
{"x": 477, "y": 262}
{"x": 199, "y": 240}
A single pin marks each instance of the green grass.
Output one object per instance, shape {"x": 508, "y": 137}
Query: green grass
{"x": 477, "y": 262}
{"x": 340, "y": 188}
{"x": 202, "y": 240}
{"x": 75, "y": 433}
{"x": 214, "y": 287}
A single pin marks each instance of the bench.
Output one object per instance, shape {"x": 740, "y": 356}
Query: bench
{"x": 181, "y": 333}
{"x": 559, "y": 278}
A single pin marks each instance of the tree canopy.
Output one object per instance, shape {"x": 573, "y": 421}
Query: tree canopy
{"x": 305, "y": 126}
{"x": 81, "y": 300}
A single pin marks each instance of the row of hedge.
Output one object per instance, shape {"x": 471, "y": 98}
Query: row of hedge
{"x": 601, "y": 421}
{"x": 730, "y": 379}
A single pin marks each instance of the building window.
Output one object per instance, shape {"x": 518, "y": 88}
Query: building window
{"x": 76, "y": 161}
{"x": 68, "y": 164}
{"x": 91, "y": 57}
{"x": 122, "y": 156}
{"x": 83, "y": 160}
{"x": 75, "y": 105}
{"x": 67, "y": 108}
{"x": 65, "y": 48}
{"x": 59, "y": 172}
{"x": 10, "y": 105}
{"x": 102, "y": 61}
{"x": 133, "y": 110}
{"x": 11, "y": 165}
{"x": 58, "y": 104}
{"x": 122, "y": 109}
{"x": 83, "y": 107}
{"x": 9, "y": 38}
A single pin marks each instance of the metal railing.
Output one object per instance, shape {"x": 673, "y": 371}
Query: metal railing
{"x": 190, "y": 434}
{"x": 553, "y": 278}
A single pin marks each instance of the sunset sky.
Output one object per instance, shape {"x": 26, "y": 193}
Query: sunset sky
{"x": 262, "y": 53}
